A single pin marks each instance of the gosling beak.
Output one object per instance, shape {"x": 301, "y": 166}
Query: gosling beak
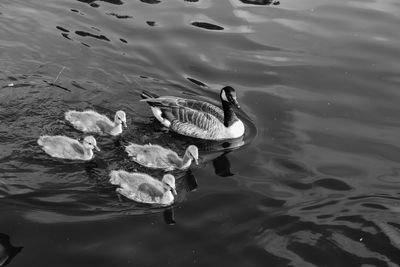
{"x": 174, "y": 191}
{"x": 124, "y": 123}
{"x": 97, "y": 148}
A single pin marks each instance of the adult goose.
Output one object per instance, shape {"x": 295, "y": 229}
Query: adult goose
{"x": 90, "y": 121}
{"x": 143, "y": 188}
{"x": 60, "y": 146}
{"x": 197, "y": 118}
{"x": 158, "y": 157}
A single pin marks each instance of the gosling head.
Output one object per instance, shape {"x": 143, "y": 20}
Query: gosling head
{"x": 193, "y": 152}
{"x": 120, "y": 118}
{"x": 90, "y": 143}
{"x": 228, "y": 94}
{"x": 169, "y": 183}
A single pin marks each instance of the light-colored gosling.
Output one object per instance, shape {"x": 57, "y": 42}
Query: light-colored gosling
{"x": 143, "y": 188}
{"x": 157, "y": 157}
{"x": 90, "y": 121}
{"x": 63, "y": 147}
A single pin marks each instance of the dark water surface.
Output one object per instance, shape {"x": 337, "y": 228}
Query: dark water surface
{"x": 316, "y": 181}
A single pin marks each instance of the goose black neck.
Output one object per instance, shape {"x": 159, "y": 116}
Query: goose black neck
{"x": 229, "y": 114}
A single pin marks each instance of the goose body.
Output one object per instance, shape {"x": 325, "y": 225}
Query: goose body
{"x": 90, "y": 121}
{"x": 196, "y": 118}
{"x": 60, "y": 146}
{"x": 158, "y": 157}
{"x": 143, "y": 188}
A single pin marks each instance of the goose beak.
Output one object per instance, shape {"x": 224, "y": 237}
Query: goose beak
{"x": 236, "y": 103}
{"x": 97, "y": 148}
{"x": 196, "y": 161}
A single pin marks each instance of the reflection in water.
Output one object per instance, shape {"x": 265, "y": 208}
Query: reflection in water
{"x": 150, "y": 1}
{"x": 390, "y": 231}
{"x": 261, "y": 2}
{"x": 84, "y": 34}
{"x": 151, "y": 23}
{"x": 93, "y": 4}
{"x": 7, "y": 250}
{"x": 119, "y": 16}
{"x": 186, "y": 183}
{"x": 196, "y": 82}
{"x": 207, "y": 26}
{"x": 169, "y": 217}
{"x": 189, "y": 182}
{"x": 222, "y": 166}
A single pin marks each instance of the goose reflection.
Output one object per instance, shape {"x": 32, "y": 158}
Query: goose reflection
{"x": 7, "y": 250}
{"x": 222, "y": 165}
{"x": 217, "y": 152}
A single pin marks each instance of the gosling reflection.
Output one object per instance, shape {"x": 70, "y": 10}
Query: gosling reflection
{"x": 7, "y": 250}
{"x": 169, "y": 216}
{"x": 187, "y": 183}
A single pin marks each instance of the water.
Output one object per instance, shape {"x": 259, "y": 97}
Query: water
{"x": 315, "y": 181}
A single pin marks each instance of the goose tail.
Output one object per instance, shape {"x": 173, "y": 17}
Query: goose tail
{"x": 148, "y": 95}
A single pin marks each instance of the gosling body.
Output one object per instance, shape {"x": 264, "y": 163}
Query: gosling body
{"x": 64, "y": 147}
{"x": 158, "y": 157}
{"x": 144, "y": 188}
{"x": 90, "y": 121}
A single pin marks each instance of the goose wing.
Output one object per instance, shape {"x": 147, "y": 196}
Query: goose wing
{"x": 202, "y": 106}
{"x": 179, "y": 103}
{"x": 194, "y": 123}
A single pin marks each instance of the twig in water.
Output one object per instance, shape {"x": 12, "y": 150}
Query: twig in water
{"x": 59, "y": 74}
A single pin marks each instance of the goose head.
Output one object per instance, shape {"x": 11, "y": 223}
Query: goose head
{"x": 90, "y": 143}
{"x": 168, "y": 182}
{"x": 193, "y": 152}
{"x": 228, "y": 94}
{"x": 120, "y": 118}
